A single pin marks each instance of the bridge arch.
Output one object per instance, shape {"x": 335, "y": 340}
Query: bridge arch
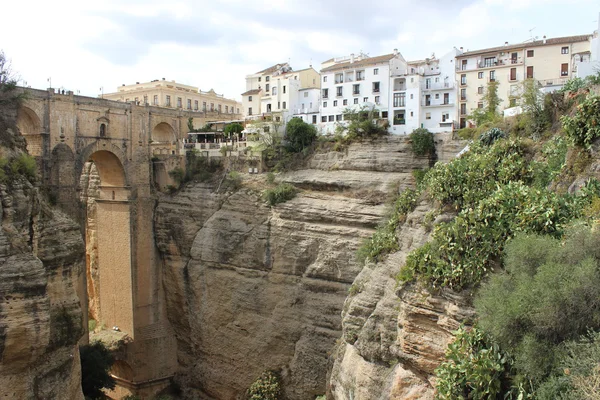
{"x": 163, "y": 133}
{"x": 31, "y": 128}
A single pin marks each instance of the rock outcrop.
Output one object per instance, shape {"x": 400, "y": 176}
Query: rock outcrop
{"x": 251, "y": 288}
{"x": 41, "y": 283}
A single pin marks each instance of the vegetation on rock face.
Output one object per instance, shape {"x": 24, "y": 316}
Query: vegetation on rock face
{"x": 489, "y": 137}
{"x": 360, "y": 125}
{"x": 96, "y": 361}
{"x": 279, "y": 194}
{"x": 584, "y": 127}
{"x": 299, "y": 135}
{"x": 422, "y": 142}
{"x": 266, "y": 387}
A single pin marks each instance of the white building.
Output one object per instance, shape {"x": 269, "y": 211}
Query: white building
{"x": 354, "y": 82}
{"x": 424, "y": 95}
{"x": 308, "y": 105}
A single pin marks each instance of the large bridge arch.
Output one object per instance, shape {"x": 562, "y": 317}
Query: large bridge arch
{"x": 30, "y": 125}
{"x": 164, "y": 139}
{"x": 108, "y": 237}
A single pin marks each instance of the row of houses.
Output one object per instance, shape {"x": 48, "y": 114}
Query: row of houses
{"x": 435, "y": 93}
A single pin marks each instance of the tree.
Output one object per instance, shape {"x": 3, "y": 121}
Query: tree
{"x": 191, "y": 124}
{"x": 8, "y": 82}
{"x": 233, "y": 128}
{"x": 533, "y": 106}
{"x": 299, "y": 135}
{"x": 96, "y": 361}
{"x": 491, "y": 102}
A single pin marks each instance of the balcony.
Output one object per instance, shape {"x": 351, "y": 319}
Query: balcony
{"x": 437, "y": 103}
{"x": 439, "y": 86}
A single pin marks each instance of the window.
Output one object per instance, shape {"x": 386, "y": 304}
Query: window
{"x": 356, "y": 89}
{"x": 530, "y": 53}
{"x": 356, "y": 100}
{"x": 267, "y": 87}
{"x": 463, "y": 109}
{"x": 203, "y": 106}
{"x": 564, "y": 50}
{"x": 400, "y": 99}
{"x": 376, "y": 99}
{"x": 445, "y": 117}
{"x": 489, "y": 61}
{"x": 412, "y": 114}
{"x": 259, "y": 78}
{"x": 437, "y": 80}
{"x": 249, "y": 98}
{"x": 375, "y": 87}
{"x": 136, "y": 100}
{"x": 324, "y": 104}
{"x": 155, "y": 100}
{"x": 338, "y": 117}
{"x": 278, "y": 105}
{"x": 446, "y": 98}
{"x": 339, "y": 91}
{"x": 513, "y": 74}
{"x": 479, "y": 90}
{"x": 168, "y": 103}
{"x": 345, "y": 102}
{"x": 376, "y": 71}
{"x": 325, "y": 93}
{"x": 323, "y": 119}
{"x": 219, "y": 107}
{"x": 512, "y": 102}
{"x": 226, "y": 109}
{"x": 179, "y": 102}
{"x": 277, "y": 119}
{"x": 360, "y": 75}
{"x": 274, "y": 90}
{"x": 284, "y": 104}
{"x": 514, "y": 58}
{"x": 238, "y": 110}
{"x": 335, "y": 103}
{"x": 463, "y": 94}
{"x": 399, "y": 117}
{"x": 480, "y": 105}
{"x": 463, "y": 79}
{"x": 126, "y": 100}
{"x": 250, "y": 111}
{"x": 331, "y": 118}
{"x": 428, "y": 83}
{"x": 305, "y": 94}
{"x": 196, "y": 105}
{"x": 189, "y": 104}
{"x": 428, "y": 99}
{"x": 384, "y": 114}
{"x": 339, "y": 78}
{"x": 267, "y": 78}
{"x": 283, "y": 89}
{"x": 564, "y": 69}
{"x": 145, "y": 100}
{"x": 480, "y": 75}
{"x": 412, "y": 96}
{"x": 365, "y": 99}
{"x": 530, "y": 72}
{"x": 492, "y": 76}
{"x": 269, "y": 107}
{"x": 102, "y": 130}
{"x": 325, "y": 79}
{"x": 428, "y": 115}
{"x": 302, "y": 106}
{"x": 314, "y": 119}
{"x": 437, "y": 96}
{"x": 463, "y": 65}
{"x": 212, "y": 106}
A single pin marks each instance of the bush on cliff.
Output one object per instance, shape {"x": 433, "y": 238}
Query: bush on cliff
{"x": 422, "y": 142}
{"x": 299, "y": 135}
{"x": 266, "y": 387}
{"x": 96, "y": 361}
{"x": 279, "y": 194}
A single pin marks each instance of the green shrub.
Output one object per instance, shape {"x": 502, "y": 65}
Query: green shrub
{"x": 549, "y": 294}
{"x": 422, "y": 142}
{"x": 360, "y": 125}
{"x": 554, "y": 159}
{"x": 178, "y": 175}
{"x": 266, "y": 387}
{"x": 299, "y": 135}
{"x": 270, "y": 178}
{"x": 475, "y": 368}
{"x": 234, "y": 180}
{"x": 489, "y": 137}
{"x": 279, "y": 194}
{"x": 225, "y": 149}
{"x": 96, "y": 361}
{"x": 584, "y": 127}
{"x": 468, "y": 133}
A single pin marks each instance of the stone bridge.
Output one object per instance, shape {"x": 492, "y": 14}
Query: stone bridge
{"x": 100, "y": 161}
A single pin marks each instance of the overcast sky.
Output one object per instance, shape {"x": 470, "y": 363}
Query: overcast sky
{"x": 214, "y": 44}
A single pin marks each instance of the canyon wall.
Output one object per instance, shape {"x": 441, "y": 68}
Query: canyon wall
{"x": 41, "y": 284}
{"x": 251, "y": 288}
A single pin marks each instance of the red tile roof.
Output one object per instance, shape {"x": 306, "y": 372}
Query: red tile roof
{"x": 559, "y": 40}
{"x": 361, "y": 63}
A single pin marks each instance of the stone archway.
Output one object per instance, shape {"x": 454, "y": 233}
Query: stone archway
{"x": 164, "y": 139}
{"x": 105, "y": 195}
{"x": 31, "y": 128}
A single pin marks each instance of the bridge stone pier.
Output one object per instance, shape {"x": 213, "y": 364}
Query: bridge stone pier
{"x": 97, "y": 159}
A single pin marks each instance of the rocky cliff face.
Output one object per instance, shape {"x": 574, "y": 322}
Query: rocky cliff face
{"x": 41, "y": 272}
{"x": 251, "y": 288}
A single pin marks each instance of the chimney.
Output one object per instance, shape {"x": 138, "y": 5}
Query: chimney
{"x": 461, "y": 48}
{"x": 163, "y": 79}
{"x": 506, "y": 43}
{"x": 351, "y": 58}
{"x": 137, "y": 83}
{"x": 544, "y": 39}
{"x": 395, "y": 52}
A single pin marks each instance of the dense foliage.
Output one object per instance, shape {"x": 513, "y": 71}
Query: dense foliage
{"x": 360, "y": 124}
{"x": 422, "y": 142}
{"x": 232, "y": 129}
{"x": 279, "y": 194}
{"x": 490, "y": 136}
{"x": 584, "y": 127}
{"x": 475, "y": 368}
{"x": 266, "y": 387}
{"x": 96, "y": 361}
{"x": 299, "y": 135}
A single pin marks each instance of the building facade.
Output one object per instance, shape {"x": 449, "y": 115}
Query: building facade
{"x": 280, "y": 92}
{"x": 551, "y": 62}
{"x": 170, "y": 94}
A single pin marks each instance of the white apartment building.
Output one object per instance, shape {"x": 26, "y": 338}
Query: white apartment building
{"x": 354, "y": 82}
{"x": 308, "y": 105}
{"x": 279, "y": 92}
{"x": 551, "y": 62}
{"x": 423, "y": 95}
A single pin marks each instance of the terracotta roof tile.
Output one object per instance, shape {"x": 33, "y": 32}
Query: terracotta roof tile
{"x": 271, "y": 69}
{"x": 251, "y": 92}
{"x": 361, "y": 63}
{"x": 558, "y": 40}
